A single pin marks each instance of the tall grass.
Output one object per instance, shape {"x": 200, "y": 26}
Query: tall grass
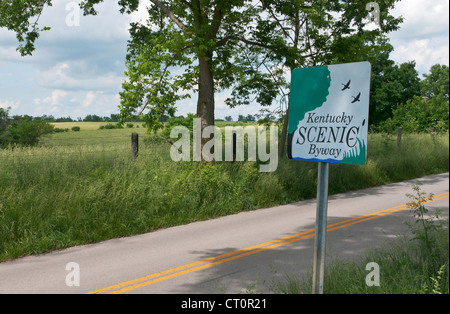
{"x": 57, "y": 196}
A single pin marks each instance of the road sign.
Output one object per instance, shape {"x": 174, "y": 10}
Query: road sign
{"x": 328, "y": 113}
{"x": 328, "y": 122}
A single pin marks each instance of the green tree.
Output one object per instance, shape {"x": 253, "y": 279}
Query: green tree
{"x": 436, "y": 82}
{"x": 93, "y": 118}
{"x": 250, "y": 118}
{"x": 391, "y": 85}
{"x": 4, "y": 119}
{"x": 430, "y": 109}
{"x": 21, "y": 130}
{"x": 178, "y": 121}
{"x": 27, "y": 133}
{"x": 242, "y": 45}
{"x": 204, "y": 41}
{"x": 297, "y": 33}
{"x": 4, "y": 122}
{"x": 200, "y": 36}
{"x": 419, "y": 114}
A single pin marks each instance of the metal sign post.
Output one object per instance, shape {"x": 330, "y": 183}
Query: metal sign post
{"x": 321, "y": 227}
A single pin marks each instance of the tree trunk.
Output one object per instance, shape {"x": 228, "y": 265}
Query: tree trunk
{"x": 282, "y": 143}
{"x": 205, "y": 103}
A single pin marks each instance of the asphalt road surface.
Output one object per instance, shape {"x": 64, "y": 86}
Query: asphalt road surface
{"x": 234, "y": 254}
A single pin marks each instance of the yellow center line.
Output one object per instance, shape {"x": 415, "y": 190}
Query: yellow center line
{"x": 209, "y": 262}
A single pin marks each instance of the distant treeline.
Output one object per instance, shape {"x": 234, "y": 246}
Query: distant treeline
{"x": 88, "y": 118}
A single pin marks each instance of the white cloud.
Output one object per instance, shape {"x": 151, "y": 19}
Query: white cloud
{"x": 425, "y": 52}
{"x": 55, "y": 109}
{"x": 423, "y": 36}
{"x": 96, "y": 103}
{"x": 68, "y": 21}
{"x": 9, "y": 104}
{"x": 141, "y": 15}
{"x": 89, "y": 99}
{"x": 422, "y": 18}
{"x": 52, "y": 104}
{"x": 76, "y": 75}
{"x": 56, "y": 98}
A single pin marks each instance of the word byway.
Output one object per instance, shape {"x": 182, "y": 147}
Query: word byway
{"x": 316, "y": 151}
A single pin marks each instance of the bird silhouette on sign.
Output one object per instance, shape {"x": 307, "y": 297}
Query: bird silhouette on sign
{"x": 346, "y": 86}
{"x": 355, "y": 99}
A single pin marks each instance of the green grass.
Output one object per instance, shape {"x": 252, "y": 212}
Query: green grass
{"x": 82, "y": 187}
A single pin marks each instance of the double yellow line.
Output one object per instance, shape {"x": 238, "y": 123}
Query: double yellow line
{"x": 223, "y": 258}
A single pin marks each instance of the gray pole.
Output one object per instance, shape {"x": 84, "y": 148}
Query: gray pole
{"x": 134, "y": 145}
{"x": 321, "y": 228}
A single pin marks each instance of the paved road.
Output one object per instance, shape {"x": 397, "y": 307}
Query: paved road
{"x": 233, "y": 254}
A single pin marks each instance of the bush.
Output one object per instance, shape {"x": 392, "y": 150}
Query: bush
{"x": 130, "y": 125}
{"x": 178, "y": 121}
{"x": 26, "y": 132}
{"x": 111, "y": 126}
{"x": 419, "y": 114}
{"x": 76, "y": 128}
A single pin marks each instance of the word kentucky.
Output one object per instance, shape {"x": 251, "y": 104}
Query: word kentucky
{"x": 340, "y": 119}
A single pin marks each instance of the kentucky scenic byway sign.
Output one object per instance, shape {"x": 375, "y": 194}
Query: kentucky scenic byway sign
{"x": 328, "y": 123}
{"x": 328, "y": 113}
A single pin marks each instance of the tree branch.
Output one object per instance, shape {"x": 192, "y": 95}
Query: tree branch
{"x": 217, "y": 19}
{"x": 169, "y": 14}
{"x": 171, "y": 143}
{"x": 224, "y": 41}
{"x": 163, "y": 74}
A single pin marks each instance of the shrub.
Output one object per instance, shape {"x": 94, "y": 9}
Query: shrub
{"x": 26, "y": 132}
{"x": 178, "y": 121}
{"x": 76, "y": 128}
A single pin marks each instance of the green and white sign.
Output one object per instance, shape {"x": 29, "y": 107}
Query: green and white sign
{"x": 328, "y": 113}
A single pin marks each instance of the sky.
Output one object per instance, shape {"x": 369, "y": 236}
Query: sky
{"x": 78, "y": 66}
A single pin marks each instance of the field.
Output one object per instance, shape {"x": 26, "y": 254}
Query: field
{"x": 82, "y": 187}
{"x": 90, "y": 134}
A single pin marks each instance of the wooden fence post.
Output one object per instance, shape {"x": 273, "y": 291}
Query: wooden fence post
{"x": 399, "y": 137}
{"x": 134, "y": 145}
